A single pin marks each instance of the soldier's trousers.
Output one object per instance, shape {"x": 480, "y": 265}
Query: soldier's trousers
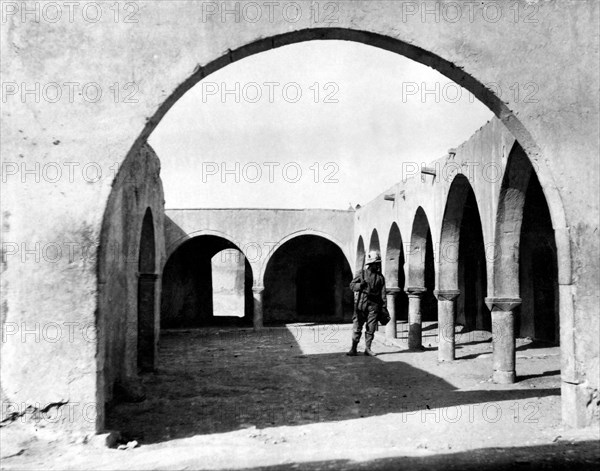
{"x": 361, "y": 318}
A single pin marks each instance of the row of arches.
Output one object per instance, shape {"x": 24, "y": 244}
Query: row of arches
{"x": 523, "y": 258}
{"x": 306, "y": 277}
{"x": 208, "y": 281}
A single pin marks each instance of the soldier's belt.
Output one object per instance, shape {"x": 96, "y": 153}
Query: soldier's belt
{"x": 374, "y": 299}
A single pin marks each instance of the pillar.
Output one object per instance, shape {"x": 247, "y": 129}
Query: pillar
{"x": 415, "y": 294}
{"x": 446, "y": 320}
{"x": 257, "y": 295}
{"x": 503, "y": 337}
{"x": 339, "y": 291}
{"x": 390, "y": 328}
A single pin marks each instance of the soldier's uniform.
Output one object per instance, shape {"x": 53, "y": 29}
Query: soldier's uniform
{"x": 370, "y": 298}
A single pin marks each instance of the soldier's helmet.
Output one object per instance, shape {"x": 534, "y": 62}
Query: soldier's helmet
{"x": 373, "y": 257}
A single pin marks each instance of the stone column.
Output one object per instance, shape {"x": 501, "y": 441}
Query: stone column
{"x": 415, "y": 294}
{"x": 339, "y": 292}
{"x": 390, "y": 328}
{"x": 446, "y": 320}
{"x": 257, "y": 294}
{"x": 503, "y": 337}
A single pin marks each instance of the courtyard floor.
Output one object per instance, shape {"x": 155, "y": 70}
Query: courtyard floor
{"x": 289, "y": 398}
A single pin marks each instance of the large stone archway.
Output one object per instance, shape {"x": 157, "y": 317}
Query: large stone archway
{"x": 524, "y": 250}
{"x": 168, "y": 61}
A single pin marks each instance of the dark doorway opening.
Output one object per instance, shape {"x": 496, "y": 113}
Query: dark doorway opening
{"x": 429, "y": 302}
{"x": 146, "y": 300}
{"x": 472, "y": 311}
{"x": 311, "y": 297}
{"x": 306, "y": 280}
{"x": 538, "y": 270}
{"x": 394, "y": 271}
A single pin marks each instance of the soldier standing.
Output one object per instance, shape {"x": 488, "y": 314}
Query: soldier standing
{"x": 369, "y": 288}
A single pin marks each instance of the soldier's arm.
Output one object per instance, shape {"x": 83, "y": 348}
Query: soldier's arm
{"x": 356, "y": 282}
{"x": 383, "y": 294}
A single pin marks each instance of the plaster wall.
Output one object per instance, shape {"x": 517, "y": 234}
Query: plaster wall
{"x": 259, "y": 232}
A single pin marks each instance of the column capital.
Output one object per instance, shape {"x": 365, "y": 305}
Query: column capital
{"x": 393, "y": 291}
{"x": 446, "y": 294}
{"x": 258, "y": 289}
{"x": 415, "y": 290}
{"x": 502, "y": 304}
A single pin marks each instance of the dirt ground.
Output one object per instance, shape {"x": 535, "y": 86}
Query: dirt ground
{"x": 289, "y": 398}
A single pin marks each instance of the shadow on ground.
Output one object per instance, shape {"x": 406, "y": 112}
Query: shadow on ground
{"x": 558, "y": 456}
{"x": 219, "y": 381}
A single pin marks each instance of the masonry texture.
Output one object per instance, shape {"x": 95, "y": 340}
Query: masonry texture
{"x": 171, "y": 48}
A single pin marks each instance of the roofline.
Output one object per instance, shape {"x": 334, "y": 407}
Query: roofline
{"x": 261, "y": 209}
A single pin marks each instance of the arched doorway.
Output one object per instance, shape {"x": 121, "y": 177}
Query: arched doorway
{"x": 421, "y": 279}
{"x": 207, "y": 281}
{"x": 146, "y": 300}
{"x": 394, "y": 272}
{"x": 462, "y": 280}
{"x": 501, "y": 109}
{"x": 465, "y": 72}
{"x": 526, "y": 266}
{"x": 306, "y": 280}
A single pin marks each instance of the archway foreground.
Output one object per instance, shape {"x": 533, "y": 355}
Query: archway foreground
{"x": 109, "y": 210}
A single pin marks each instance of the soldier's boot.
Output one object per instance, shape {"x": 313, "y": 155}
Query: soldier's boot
{"x": 368, "y": 342}
{"x": 353, "y": 352}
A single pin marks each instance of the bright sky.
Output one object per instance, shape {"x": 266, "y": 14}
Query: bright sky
{"x": 362, "y": 112}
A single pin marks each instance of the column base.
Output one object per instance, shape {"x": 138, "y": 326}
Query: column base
{"x": 504, "y": 377}
{"x": 390, "y": 329}
{"x": 445, "y": 360}
{"x": 414, "y": 337}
